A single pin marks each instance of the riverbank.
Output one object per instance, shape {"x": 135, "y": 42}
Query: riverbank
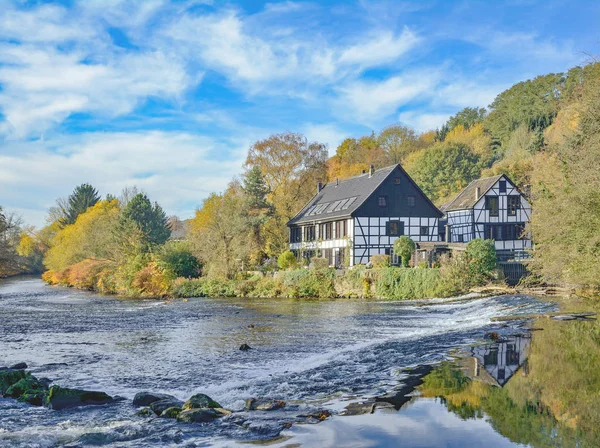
{"x": 393, "y": 283}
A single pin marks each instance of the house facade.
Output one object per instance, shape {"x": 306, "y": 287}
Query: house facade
{"x": 350, "y": 220}
{"x": 491, "y": 208}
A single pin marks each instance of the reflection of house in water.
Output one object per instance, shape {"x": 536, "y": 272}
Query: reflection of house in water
{"x": 496, "y": 363}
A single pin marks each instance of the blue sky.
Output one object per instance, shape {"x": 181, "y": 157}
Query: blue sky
{"x": 169, "y": 95}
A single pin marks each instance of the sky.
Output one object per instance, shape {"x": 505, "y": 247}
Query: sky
{"x": 168, "y": 96}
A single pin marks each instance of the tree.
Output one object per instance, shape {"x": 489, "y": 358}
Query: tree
{"x": 398, "y": 142}
{"x": 287, "y": 260}
{"x": 481, "y": 255}
{"x": 150, "y": 219}
{"x": 83, "y": 197}
{"x": 291, "y": 168}
{"x": 176, "y": 257}
{"x": 219, "y": 232}
{"x": 257, "y": 210}
{"x": 404, "y": 248}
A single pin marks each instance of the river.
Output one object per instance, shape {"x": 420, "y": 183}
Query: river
{"x": 311, "y": 354}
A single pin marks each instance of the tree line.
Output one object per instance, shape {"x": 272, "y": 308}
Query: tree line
{"x": 543, "y": 133}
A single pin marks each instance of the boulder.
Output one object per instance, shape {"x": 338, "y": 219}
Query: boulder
{"x": 171, "y": 412}
{"x": 253, "y": 404}
{"x": 29, "y": 384}
{"x": 62, "y": 397}
{"x": 35, "y": 397}
{"x": 162, "y": 405}
{"x": 18, "y": 366}
{"x": 145, "y": 412}
{"x": 9, "y": 377}
{"x": 147, "y": 398}
{"x": 245, "y": 347}
{"x": 199, "y": 401}
{"x": 202, "y": 415}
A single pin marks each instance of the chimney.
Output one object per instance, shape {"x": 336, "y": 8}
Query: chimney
{"x": 371, "y": 170}
{"x": 477, "y": 193}
{"x": 319, "y": 187}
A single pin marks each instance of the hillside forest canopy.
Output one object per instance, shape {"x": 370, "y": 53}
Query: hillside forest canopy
{"x": 544, "y": 133}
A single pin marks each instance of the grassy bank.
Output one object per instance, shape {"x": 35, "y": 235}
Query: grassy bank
{"x": 360, "y": 282}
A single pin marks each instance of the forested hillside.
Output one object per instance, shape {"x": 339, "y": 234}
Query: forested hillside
{"x": 543, "y": 133}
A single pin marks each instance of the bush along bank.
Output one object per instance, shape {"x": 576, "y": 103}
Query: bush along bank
{"x": 457, "y": 275}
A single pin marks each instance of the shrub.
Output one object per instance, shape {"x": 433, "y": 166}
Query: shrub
{"x": 319, "y": 263}
{"x": 481, "y": 255}
{"x": 152, "y": 281}
{"x": 456, "y": 278}
{"x": 380, "y": 261}
{"x": 287, "y": 260}
{"x": 176, "y": 257}
{"x": 404, "y": 248}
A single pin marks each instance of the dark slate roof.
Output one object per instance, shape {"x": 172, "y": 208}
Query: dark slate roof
{"x": 340, "y": 199}
{"x": 467, "y": 199}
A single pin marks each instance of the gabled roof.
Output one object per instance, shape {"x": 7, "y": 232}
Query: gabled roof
{"x": 467, "y": 198}
{"x": 340, "y": 199}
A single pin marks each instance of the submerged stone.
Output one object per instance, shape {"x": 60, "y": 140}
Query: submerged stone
{"x": 19, "y": 366}
{"x": 245, "y": 347}
{"x": 9, "y": 377}
{"x": 145, "y": 412}
{"x": 199, "y": 401}
{"x": 34, "y": 397}
{"x": 202, "y": 415}
{"x": 171, "y": 412}
{"x": 252, "y": 404}
{"x": 62, "y": 397}
{"x": 162, "y": 405}
{"x": 147, "y": 398}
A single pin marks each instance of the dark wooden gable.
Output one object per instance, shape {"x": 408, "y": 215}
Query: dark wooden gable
{"x": 398, "y": 189}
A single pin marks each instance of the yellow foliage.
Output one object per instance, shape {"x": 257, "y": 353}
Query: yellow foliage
{"x": 27, "y": 245}
{"x": 152, "y": 281}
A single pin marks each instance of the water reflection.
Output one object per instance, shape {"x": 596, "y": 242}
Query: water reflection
{"x": 497, "y": 363}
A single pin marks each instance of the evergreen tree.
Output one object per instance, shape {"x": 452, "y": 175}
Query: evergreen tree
{"x": 150, "y": 219}
{"x": 83, "y": 197}
{"x": 258, "y": 210}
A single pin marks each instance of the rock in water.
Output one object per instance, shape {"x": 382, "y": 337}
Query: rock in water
{"x": 202, "y": 415}
{"x": 34, "y": 398}
{"x": 253, "y": 404}
{"x": 245, "y": 347}
{"x": 162, "y": 405}
{"x": 145, "y": 412}
{"x": 199, "y": 401}
{"x": 29, "y": 384}
{"x": 147, "y": 398}
{"x": 171, "y": 412}
{"x": 9, "y": 377}
{"x": 62, "y": 397}
{"x": 19, "y": 366}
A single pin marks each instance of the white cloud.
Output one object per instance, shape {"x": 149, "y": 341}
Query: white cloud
{"x": 423, "y": 121}
{"x": 329, "y": 134}
{"x": 381, "y": 49}
{"x": 176, "y": 169}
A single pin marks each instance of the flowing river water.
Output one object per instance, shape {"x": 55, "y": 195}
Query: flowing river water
{"x": 311, "y": 354}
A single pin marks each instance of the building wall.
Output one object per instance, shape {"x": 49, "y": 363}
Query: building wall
{"x": 469, "y": 224}
{"x": 370, "y": 236}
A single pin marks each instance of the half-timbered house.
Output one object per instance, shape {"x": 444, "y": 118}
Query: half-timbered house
{"x": 491, "y": 208}
{"x": 362, "y": 216}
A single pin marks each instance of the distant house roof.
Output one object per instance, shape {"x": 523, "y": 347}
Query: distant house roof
{"x": 467, "y": 198}
{"x": 340, "y": 199}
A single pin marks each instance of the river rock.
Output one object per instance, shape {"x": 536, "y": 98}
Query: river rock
{"x": 147, "y": 398}
{"x": 171, "y": 412}
{"x": 245, "y": 347}
{"x": 162, "y": 405}
{"x": 9, "y": 377}
{"x": 199, "y": 401}
{"x": 62, "y": 397}
{"x": 19, "y": 366}
{"x": 202, "y": 415}
{"x": 29, "y": 384}
{"x": 145, "y": 412}
{"x": 252, "y": 404}
{"x": 34, "y": 398}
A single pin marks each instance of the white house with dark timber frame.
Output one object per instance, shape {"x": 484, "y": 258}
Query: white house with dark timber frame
{"x": 491, "y": 208}
{"x": 362, "y": 216}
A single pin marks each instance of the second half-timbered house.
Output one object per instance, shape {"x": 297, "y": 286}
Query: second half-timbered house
{"x": 362, "y": 216}
{"x": 491, "y": 208}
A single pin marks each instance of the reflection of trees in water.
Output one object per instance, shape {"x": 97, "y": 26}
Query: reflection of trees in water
{"x": 552, "y": 401}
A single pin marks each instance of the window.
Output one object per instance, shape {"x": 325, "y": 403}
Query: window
{"x": 410, "y": 201}
{"x": 502, "y": 186}
{"x": 396, "y": 181}
{"x": 424, "y": 231}
{"x": 491, "y": 204}
{"x": 514, "y": 204}
{"x": 490, "y": 231}
{"x": 509, "y": 232}
{"x": 295, "y": 235}
{"x": 309, "y": 233}
{"x": 341, "y": 229}
{"x": 460, "y": 238}
{"x": 395, "y": 228}
{"x": 382, "y": 201}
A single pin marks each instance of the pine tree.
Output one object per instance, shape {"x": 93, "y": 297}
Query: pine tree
{"x": 150, "y": 219}
{"x": 83, "y": 197}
